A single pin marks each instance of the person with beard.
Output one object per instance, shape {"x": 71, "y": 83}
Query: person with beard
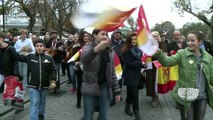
{"x": 55, "y": 47}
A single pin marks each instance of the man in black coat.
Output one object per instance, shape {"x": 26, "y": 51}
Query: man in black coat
{"x": 206, "y": 45}
{"x": 1, "y": 64}
{"x": 117, "y": 43}
{"x": 57, "y": 46}
{"x": 177, "y": 44}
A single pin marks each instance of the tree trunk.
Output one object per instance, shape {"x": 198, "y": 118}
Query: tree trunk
{"x": 32, "y": 22}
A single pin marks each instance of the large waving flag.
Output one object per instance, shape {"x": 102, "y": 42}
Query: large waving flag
{"x": 145, "y": 41}
{"x": 117, "y": 65}
{"x": 103, "y": 15}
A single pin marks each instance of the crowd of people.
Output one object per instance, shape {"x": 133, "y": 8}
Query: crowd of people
{"x": 39, "y": 63}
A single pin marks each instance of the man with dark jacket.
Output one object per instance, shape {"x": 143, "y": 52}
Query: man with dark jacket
{"x": 206, "y": 45}
{"x": 117, "y": 43}
{"x": 177, "y": 44}
{"x": 57, "y": 47}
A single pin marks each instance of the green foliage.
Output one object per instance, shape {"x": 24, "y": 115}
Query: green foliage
{"x": 194, "y": 8}
{"x": 14, "y": 31}
{"x": 165, "y": 27}
{"x": 189, "y": 27}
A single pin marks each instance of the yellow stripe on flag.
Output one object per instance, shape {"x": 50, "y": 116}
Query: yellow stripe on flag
{"x": 174, "y": 73}
{"x": 112, "y": 19}
{"x": 142, "y": 37}
{"x": 149, "y": 59}
{"x": 117, "y": 65}
{"x": 75, "y": 57}
{"x": 118, "y": 71}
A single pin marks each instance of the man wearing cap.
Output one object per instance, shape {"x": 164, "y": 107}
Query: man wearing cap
{"x": 57, "y": 46}
{"x": 117, "y": 43}
{"x": 24, "y": 46}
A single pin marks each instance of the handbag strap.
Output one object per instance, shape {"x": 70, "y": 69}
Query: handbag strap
{"x": 199, "y": 67}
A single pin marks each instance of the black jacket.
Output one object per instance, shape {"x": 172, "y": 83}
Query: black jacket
{"x": 174, "y": 47}
{"x": 1, "y": 61}
{"x": 132, "y": 69}
{"x": 9, "y": 61}
{"x": 41, "y": 70}
{"x": 208, "y": 47}
{"x": 58, "y": 54}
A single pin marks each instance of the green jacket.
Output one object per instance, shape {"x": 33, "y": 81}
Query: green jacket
{"x": 187, "y": 71}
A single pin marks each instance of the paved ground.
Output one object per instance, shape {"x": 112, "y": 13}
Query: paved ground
{"x": 63, "y": 107}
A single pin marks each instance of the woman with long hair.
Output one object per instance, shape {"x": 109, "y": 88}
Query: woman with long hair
{"x": 132, "y": 74}
{"x": 195, "y": 71}
{"x": 83, "y": 38}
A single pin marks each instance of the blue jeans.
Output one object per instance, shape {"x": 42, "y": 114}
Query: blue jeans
{"x": 37, "y": 102}
{"x": 102, "y": 101}
{"x": 22, "y": 69}
{"x": 72, "y": 74}
{"x": 1, "y": 79}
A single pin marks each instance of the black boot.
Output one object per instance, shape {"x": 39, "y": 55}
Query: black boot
{"x": 78, "y": 105}
{"x": 41, "y": 117}
{"x": 128, "y": 110}
{"x": 137, "y": 115}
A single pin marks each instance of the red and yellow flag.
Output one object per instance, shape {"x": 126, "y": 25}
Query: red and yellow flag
{"x": 102, "y": 15}
{"x": 112, "y": 20}
{"x": 75, "y": 56}
{"x": 144, "y": 40}
{"x": 117, "y": 65}
{"x": 166, "y": 77}
{"x": 142, "y": 28}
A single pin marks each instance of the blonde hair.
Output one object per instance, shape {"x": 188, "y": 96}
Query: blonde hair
{"x": 156, "y": 34}
{"x": 24, "y": 31}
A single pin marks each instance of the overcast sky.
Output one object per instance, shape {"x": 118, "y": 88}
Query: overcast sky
{"x": 158, "y": 11}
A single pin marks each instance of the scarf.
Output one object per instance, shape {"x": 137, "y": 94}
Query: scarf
{"x": 137, "y": 53}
